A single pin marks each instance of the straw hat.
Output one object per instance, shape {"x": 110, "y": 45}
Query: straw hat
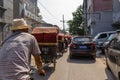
{"x": 19, "y": 24}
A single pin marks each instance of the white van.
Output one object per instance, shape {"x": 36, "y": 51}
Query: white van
{"x": 100, "y": 38}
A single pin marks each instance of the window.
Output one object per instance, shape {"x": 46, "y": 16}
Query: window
{"x": 110, "y": 33}
{"x": 78, "y": 39}
{"x": 1, "y": 2}
{"x": 112, "y": 43}
{"x": 102, "y": 36}
{"x": 1, "y": 13}
{"x": 111, "y": 37}
{"x": 117, "y": 44}
{"x": 26, "y": 5}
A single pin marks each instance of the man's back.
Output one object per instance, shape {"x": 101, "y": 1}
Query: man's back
{"x": 15, "y": 57}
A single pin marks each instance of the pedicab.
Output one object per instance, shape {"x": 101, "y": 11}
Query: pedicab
{"x": 47, "y": 38}
{"x": 68, "y": 37}
{"x": 66, "y": 41}
{"x": 61, "y": 43}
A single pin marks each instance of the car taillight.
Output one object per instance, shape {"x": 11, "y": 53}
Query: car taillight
{"x": 93, "y": 45}
{"x": 72, "y": 45}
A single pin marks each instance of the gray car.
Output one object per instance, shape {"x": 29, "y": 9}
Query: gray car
{"x": 106, "y": 43}
{"x": 101, "y": 37}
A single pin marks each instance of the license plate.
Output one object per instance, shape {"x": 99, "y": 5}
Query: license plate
{"x": 45, "y": 49}
{"x": 83, "y": 47}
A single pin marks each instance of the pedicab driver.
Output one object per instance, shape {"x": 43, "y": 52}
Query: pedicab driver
{"x": 15, "y": 53}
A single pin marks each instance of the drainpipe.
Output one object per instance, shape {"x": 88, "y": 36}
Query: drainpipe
{"x": 85, "y": 17}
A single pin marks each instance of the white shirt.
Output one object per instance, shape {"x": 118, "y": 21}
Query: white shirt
{"x": 15, "y": 56}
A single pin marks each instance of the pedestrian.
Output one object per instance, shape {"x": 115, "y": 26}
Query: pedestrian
{"x": 65, "y": 43}
{"x": 15, "y": 53}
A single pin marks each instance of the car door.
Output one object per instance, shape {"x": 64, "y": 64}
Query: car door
{"x": 114, "y": 55}
{"x": 111, "y": 55}
{"x": 117, "y": 47}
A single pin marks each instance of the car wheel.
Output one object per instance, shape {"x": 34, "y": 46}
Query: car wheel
{"x": 94, "y": 57}
{"x": 119, "y": 76}
{"x": 70, "y": 56}
{"x": 103, "y": 51}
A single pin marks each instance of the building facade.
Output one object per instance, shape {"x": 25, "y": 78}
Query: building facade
{"x": 27, "y": 9}
{"x": 11, "y": 9}
{"x": 116, "y": 13}
{"x": 6, "y": 16}
{"x": 99, "y": 16}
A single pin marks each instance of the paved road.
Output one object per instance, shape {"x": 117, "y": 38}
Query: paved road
{"x": 77, "y": 68}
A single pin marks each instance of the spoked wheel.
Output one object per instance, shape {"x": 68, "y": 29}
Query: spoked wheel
{"x": 54, "y": 63}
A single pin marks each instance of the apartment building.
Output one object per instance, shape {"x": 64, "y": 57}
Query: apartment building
{"x": 116, "y": 14}
{"x": 6, "y": 16}
{"x": 27, "y": 9}
{"x": 11, "y": 9}
{"x": 98, "y": 16}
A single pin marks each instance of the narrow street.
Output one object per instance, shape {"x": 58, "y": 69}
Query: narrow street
{"x": 78, "y": 68}
{"x": 31, "y": 27}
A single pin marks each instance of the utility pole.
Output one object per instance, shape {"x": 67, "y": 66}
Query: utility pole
{"x": 63, "y": 24}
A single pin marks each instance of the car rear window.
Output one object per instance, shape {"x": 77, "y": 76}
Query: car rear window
{"x": 111, "y": 37}
{"x": 83, "y": 39}
{"x": 102, "y": 36}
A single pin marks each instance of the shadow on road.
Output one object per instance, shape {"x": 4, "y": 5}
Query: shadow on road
{"x": 99, "y": 54}
{"x": 60, "y": 54}
{"x": 48, "y": 69}
{"x": 81, "y": 60}
{"x": 110, "y": 76}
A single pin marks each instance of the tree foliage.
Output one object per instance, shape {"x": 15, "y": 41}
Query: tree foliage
{"x": 75, "y": 27}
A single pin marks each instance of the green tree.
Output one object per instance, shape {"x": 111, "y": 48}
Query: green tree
{"x": 75, "y": 27}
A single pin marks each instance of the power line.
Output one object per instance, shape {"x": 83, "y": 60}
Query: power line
{"x": 58, "y": 20}
{"x": 47, "y": 10}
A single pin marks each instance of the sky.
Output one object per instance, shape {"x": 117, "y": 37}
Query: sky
{"x": 52, "y": 11}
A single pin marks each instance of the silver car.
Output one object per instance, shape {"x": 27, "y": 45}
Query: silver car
{"x": 113, "y": 56}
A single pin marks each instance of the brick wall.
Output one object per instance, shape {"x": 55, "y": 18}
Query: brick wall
{"x": 102, "y": 5}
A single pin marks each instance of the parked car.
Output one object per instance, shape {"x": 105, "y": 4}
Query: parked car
{"x": 113, "y": 56}
{"x": 100, "y": 38}
{"x": 82, "y": 46}
{"x": 106, "y": 43}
